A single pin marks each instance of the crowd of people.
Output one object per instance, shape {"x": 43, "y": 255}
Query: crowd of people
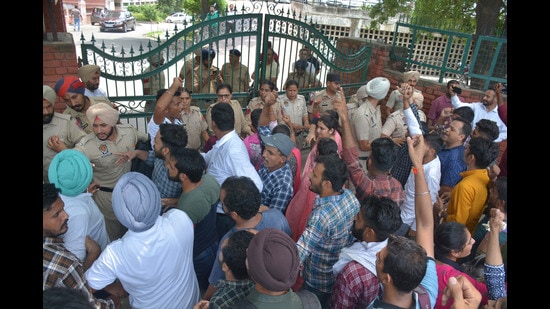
{"x": 381, "y": 214}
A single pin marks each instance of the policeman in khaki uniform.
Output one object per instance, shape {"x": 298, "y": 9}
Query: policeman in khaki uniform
{"x": 71, "y": 90}
{"x": 225, "y": 93}
{"x": 101, "y": 147}
{"x": 153, "y": 83}
{"x": 59, "y": 131}
{"x": 206, "y": 76}
{"x": 236, "y": 74}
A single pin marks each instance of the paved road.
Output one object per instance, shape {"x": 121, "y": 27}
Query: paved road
{"x": 118, "y": 40}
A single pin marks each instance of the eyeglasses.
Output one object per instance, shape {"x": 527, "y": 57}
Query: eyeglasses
{"x": 224, "y": 96}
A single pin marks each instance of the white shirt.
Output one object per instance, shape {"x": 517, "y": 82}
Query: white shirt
{"x": 309, "y": 69}
{"x": 85, "y": 218}
{"x": 480, "y": 112}
{"x": 154, "y": 266}
{"x": 96, "y": 93}
{"x": 432, "y": 173}
{"x": 229, "y": 157}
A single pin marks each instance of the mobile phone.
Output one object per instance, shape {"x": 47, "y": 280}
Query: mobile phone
{"x": 457, "y": 90}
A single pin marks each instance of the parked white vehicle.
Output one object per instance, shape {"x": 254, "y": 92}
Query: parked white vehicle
{"x": 178, "y": 18}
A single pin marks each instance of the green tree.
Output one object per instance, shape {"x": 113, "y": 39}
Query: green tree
{"x": 481, "y": 17}
{"x": 199, "y": 8}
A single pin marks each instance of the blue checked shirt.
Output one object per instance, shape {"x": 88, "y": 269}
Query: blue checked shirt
{"x": 278, "y": 187}
{"x": 167, "y": 187}
{"x": 327, "y": 233}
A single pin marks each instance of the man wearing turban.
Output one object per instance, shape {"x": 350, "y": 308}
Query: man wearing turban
{"x": 89, "y": 74}
{"x": 395, "y": 101}
{"x": 59, "y": 131}
{"x": 71, "y": 172}
{"x": 273, "y": 264}
{"x": 154, "y": 260}
{"x": 103, "y": 147}
{"x": 71, "y": 89}
{"x": 367, "y": 120}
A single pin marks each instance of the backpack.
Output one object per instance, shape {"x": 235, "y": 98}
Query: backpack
{"x": 309, "y": 301}
{"x": 423, "y": 297}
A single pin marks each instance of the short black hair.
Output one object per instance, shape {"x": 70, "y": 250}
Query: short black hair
{"x": 224, "y": 116}
{"x": 488, "y": 129}
{"x": 234, "y": 253}
{"x": 242, "y": 196}
{"x": 190, "y": 162}
{"x": 49, "y": 195}
{"x": 160, "y": 92}
{"x": 383, "y": 153}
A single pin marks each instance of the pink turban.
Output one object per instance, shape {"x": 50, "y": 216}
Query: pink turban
{"x": 103, "y": 112}
{"x": 69, "y": 84}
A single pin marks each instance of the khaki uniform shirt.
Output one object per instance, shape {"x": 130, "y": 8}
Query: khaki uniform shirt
{"x": 241, "y": 126}
{"x": 326, "y": 101}
{"x": 80, "y": 118}
{"x": 304, "y": 81}
{"x": 367, "y": 124}
{"x": 194, "y": 124}
{"x": 154, "y": 82}
{"x": 237, "y": 76}
{"x": 395, "y": 125}
{"x": 186, "y": 72}
{"x": 296, "y": 109}
{"x": 199, "y": 74}
{"x": 101, "y": 153}
{"x": 395, "y": 100}
{"x": 258, "y": 103}
{"x": 68, "y": 132}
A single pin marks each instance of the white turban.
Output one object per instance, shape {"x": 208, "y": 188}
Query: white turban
{"x": 136, "y": 201}
{"x": 378, "y": 87}
{"x": 104, "y": 112}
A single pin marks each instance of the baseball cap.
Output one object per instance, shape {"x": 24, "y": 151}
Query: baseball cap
{"x": 279, "y": 141}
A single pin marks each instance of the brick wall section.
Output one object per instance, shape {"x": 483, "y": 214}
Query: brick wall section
{"x": 59, "y": 16}
{"x": 58, "y": 61}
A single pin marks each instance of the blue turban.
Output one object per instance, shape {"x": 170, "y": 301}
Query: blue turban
{"x": 136, "y": 201}
{"x": 71, "y": 172}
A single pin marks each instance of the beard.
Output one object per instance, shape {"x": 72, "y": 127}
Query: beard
{"x": 108, "y": 135}
{"x": 176, "y": 178}
{"x": 47, "y": 118}
{"x": 357, "y": 233}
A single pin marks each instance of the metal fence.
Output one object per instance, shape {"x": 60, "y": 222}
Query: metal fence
{"x": 446, "y": 53}
{"x": 439, "y": 52}
{"x": 288, "y": 31}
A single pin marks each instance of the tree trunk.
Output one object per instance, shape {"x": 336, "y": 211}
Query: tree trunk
{"x": 487, "y": 13}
